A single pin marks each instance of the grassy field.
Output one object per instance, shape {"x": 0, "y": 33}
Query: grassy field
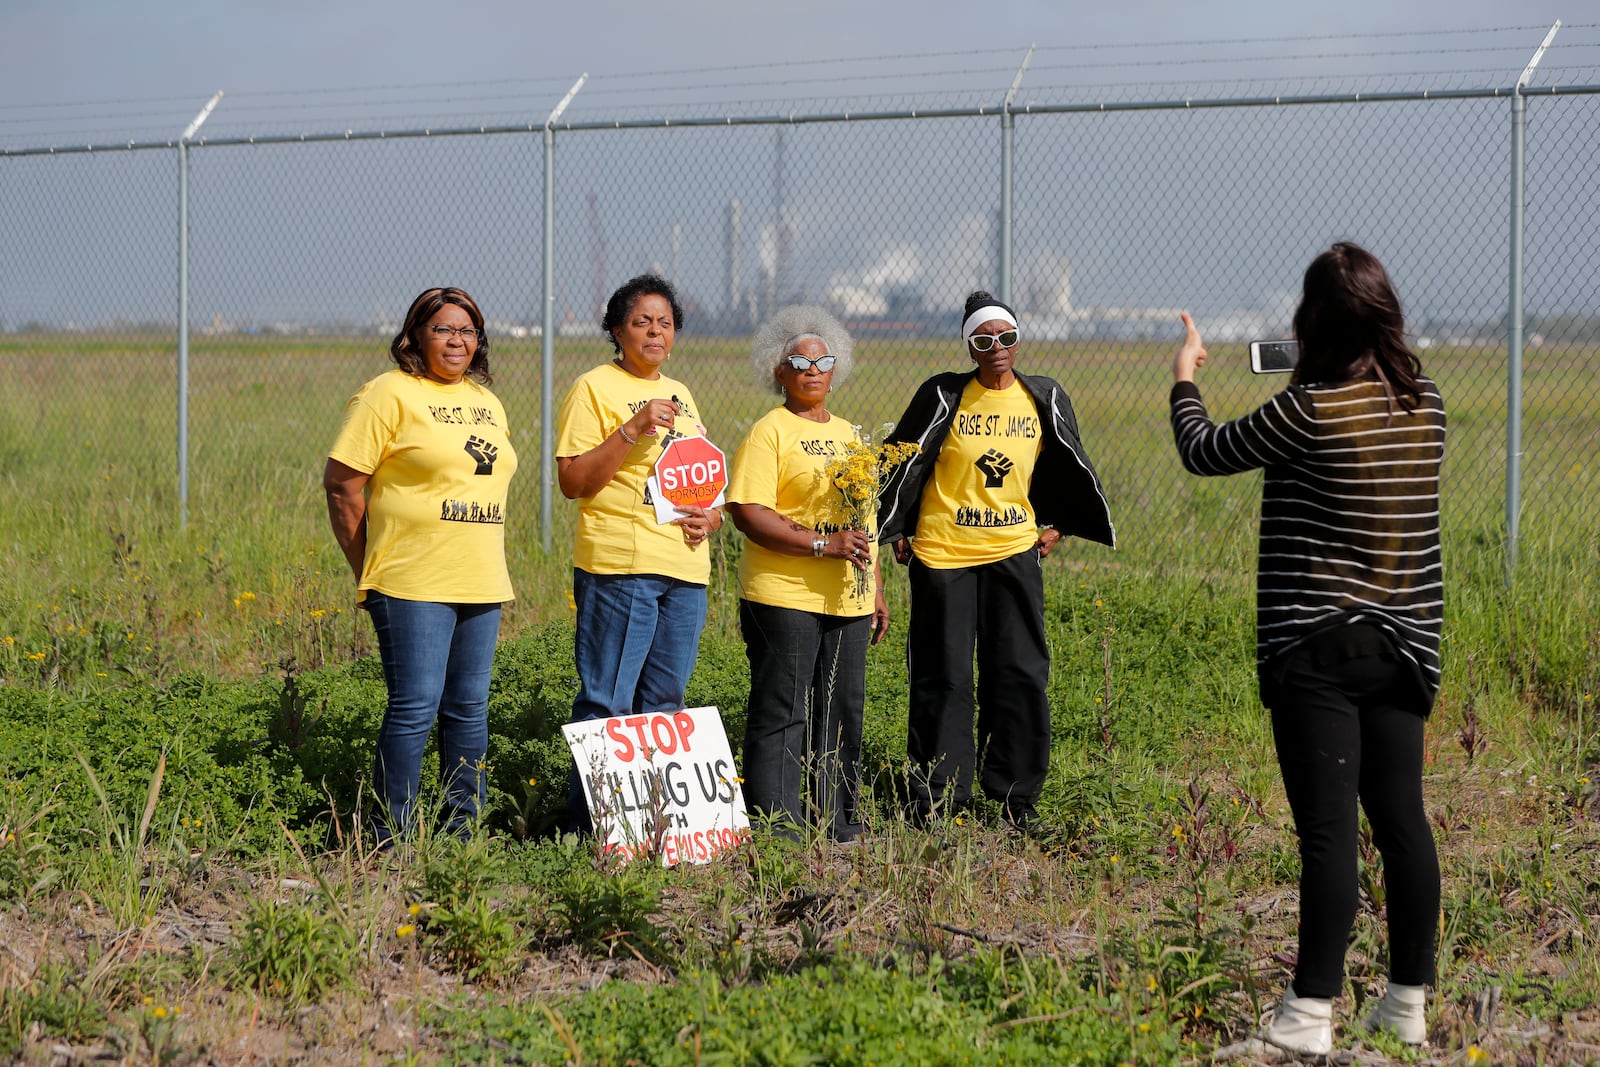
{"x": 90, "y": 538}
{"x": 186, "y": 717}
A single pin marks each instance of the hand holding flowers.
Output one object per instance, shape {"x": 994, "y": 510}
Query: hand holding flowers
{"x": 858, "y": 475}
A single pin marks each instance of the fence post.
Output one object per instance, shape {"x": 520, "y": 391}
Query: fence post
{"x": 1007, "y": 152}
{"x": 547, "y": 329}
{"x": 1514, "y": 339}
{"x": 183, "y": 307}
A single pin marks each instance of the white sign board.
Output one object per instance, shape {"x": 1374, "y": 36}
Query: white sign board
{"x": 661, "y": 784}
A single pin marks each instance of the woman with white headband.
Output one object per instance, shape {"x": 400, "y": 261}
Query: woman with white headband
{"x": 1001, "y": 477}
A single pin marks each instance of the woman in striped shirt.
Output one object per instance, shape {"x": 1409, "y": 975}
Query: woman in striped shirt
{"x": 1349, "y": 606}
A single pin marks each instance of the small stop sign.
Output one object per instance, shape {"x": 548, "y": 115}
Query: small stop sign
{"x": 691, "y": 471}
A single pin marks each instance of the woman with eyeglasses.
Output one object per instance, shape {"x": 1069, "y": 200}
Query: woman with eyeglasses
{"x": 1001, "y": 477}
{"x": 416, "y": 483}
{"x": 806, "y": 620}
{"x": 639, "y": 585}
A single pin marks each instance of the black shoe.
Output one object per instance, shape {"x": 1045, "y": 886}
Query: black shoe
{"x": 1021, "y": 816}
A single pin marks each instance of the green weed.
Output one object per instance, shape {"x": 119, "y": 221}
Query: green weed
{"x": 54, "y": 999}
{"x": 614, "y": 911}
{"x": 26, "y": 864}
{"x": 462, "y": 908}
{"x": 296, "y": 950}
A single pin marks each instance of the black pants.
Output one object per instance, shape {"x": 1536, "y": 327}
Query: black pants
{"x": 997, "y": 611}
{"x": 1347, "y": 718}
{"x": 808, "y": 677}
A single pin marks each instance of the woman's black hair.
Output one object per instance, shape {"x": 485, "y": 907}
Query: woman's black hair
{"x": 406, "y": 348}
{"x": 621, "y": 303}
{"x": 1350, "y": 326}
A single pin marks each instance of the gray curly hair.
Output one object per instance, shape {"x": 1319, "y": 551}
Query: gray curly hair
{"x": 780, "y": 334}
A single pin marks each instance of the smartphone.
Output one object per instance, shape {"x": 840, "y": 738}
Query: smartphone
{"x": 1270, "y": 357}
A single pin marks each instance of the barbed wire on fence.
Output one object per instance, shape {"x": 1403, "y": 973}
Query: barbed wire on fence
{"x": 1073, "y": 73}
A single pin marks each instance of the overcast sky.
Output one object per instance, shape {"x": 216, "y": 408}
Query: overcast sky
{"x": 151, "y": 64}
{"x": 325, "y": 233}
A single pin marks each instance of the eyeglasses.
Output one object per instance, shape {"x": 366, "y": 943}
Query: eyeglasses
{"x": 802, "y": 364}
{"x": 982, "y": 342}
{"x": 466, "y": 333}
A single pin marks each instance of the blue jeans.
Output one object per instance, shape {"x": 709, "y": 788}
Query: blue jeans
{"x": 436, "y": 663}
{"x": 636, "y": 642}
{"x": 808, "y": 690}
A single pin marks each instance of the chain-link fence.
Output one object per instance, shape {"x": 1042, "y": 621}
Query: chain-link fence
{"x": 304, "y": 256}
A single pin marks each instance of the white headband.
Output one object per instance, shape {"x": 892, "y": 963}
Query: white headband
{"x": 983, "y": 315}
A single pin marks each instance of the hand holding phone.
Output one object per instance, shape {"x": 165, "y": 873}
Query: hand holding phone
{"x": 1273, "y": 357}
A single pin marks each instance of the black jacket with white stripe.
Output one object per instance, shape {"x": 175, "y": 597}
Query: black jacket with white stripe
{"x": 1065, "y": 491}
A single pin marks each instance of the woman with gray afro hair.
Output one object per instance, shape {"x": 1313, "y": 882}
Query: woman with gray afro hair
{"x": 778, "y": 338}
{"x": 809, "y": 598}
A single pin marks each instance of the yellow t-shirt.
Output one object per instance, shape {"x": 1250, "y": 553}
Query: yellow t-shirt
{"x": 781, "y": 466}
{"x": 617, "y": 528}
{"x": 975, "y": 508}
{"x": 441, "y": 461}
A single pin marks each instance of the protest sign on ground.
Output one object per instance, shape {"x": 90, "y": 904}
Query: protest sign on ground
{"x": 661, "y": 784}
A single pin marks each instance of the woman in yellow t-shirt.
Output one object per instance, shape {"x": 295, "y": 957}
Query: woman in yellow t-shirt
{"x": 416, "y": 484}
{"x": 639, "y": 584}
{"x": 1001, "y": 477}
{"x": 805, "y": 618}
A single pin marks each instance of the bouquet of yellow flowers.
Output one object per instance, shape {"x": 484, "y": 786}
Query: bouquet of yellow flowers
{"x": 859, "y": 474}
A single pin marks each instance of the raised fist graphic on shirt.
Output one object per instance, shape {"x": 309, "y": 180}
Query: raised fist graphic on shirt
{"x": 484, "y": 453}
{"x": 995, "y": 466}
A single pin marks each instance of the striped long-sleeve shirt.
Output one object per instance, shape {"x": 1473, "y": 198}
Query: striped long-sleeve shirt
{"x": 1349, "y": 510}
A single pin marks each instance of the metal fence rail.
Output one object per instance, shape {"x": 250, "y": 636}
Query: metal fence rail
{"x": 296, "y": 254}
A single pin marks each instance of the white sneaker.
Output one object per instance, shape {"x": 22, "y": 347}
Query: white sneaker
{"x": 1301, "y": 1026}
{"x": 1401, "y": 1013}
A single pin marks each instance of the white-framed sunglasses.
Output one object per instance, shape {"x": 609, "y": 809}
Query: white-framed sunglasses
{"x": 802, "y": 364}
{"x": 982, "y": 342}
